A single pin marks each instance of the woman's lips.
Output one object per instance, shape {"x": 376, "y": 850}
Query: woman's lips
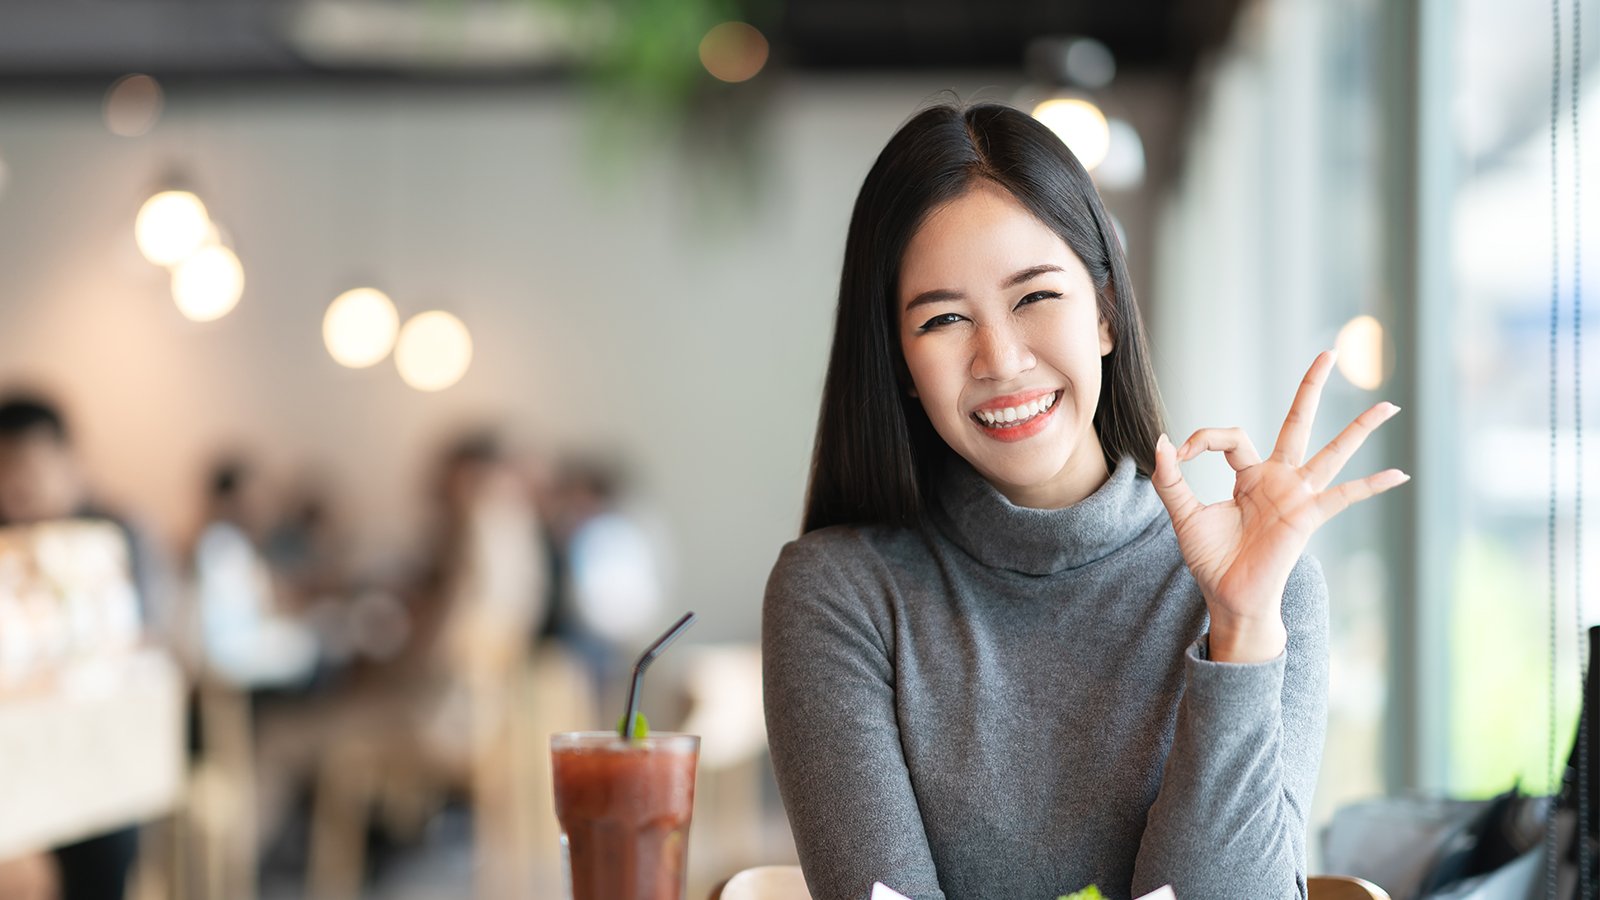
{"x": 1024, "y": 426}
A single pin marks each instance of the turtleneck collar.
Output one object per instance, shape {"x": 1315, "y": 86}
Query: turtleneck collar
{"x": 996, "y": 532}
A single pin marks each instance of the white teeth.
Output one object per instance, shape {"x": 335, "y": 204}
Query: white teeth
{"x": 1016, "y": 413}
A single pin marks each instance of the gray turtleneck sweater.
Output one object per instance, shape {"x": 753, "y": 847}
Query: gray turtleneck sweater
{"x": 1015, "y": 703}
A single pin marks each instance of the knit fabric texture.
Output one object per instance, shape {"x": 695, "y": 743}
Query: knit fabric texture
{"x": 1015, "y": 703}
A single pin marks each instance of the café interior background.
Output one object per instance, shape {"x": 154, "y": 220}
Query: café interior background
{"x": 646, "y": 257}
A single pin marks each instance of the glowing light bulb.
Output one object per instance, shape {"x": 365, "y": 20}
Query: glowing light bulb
{"x": 434, "y": 351}
{"x": 208, "y": 284}
{"x": 733, "y": 51}
{"x": 1080, "y": 125}
{"x": 171, "y": 226}
{"x": 360, "y": 327}
{"x": 1361, "y": 352}
{"x": 132, "y": 105}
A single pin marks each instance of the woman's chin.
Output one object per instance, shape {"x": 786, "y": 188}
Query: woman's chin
{"x": 1044, "y": 475}
{"x": 1013, "y": 477}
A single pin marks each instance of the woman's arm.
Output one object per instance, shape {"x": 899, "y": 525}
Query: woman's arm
{"x": 829, "y": 692}
{"x": 1230, "y": 818}
{"x": 1248, "y": 713}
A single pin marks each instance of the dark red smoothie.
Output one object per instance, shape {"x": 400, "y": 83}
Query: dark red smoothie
{"x": 624, "y": 808}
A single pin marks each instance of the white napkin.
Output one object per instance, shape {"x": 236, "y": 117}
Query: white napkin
{"x": 881, "y": 891}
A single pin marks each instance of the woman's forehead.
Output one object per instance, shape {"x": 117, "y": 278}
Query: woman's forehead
{"x": 977, "y": 240}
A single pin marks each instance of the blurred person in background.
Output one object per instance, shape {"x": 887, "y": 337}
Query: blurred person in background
{"x": 433, "y": 651}
{"x": 306, "y": 548}
{"x": 489, "y": 564}
{"x": 607, "y": 580}
{"x": 41, "y": 481}
{"x": 248, "y": 640}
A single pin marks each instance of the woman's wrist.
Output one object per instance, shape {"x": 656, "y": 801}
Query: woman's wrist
{"x": 1246, "y": 641}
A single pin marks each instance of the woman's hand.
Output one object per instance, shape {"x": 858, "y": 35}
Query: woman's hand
{"x": 1242, "y": 550}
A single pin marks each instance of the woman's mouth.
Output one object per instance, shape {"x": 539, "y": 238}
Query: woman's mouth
{"x": 1013, "y": 423}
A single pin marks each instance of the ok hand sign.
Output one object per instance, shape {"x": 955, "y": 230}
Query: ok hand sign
{"x": 1241, "y": 550}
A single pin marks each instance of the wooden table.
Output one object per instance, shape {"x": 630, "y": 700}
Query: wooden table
{"x": 101, "y": 746}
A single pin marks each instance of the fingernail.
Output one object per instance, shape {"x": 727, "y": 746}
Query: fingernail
{"x": 1162, "y": 442}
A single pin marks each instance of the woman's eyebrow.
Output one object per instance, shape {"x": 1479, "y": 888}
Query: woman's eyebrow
{"x": 1029, "y": 274}
{"x": 934, "y": 296}
{"x": 938, "y": 294}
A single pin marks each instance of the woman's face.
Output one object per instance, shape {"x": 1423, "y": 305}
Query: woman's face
{"x": 1002, "y": 335}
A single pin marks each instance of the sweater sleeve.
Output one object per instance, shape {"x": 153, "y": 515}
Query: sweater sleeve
{"x": 1230, "y": 817}
{"x": 828, "y": 675}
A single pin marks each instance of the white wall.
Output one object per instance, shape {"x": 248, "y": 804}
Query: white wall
{"x": 610, "y": 311}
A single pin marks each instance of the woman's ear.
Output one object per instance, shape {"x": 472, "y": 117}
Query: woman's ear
{"x": 1106, "y": 306}
{"x": 903, "y": 375}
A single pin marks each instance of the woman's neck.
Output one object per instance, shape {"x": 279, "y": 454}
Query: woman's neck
{"x": 1083, "y": 474}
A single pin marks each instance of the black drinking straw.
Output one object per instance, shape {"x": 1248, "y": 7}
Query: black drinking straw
{"x": 648, "y": 657}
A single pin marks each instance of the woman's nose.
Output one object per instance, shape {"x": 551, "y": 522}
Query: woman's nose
{"x": 1001, "y": 353}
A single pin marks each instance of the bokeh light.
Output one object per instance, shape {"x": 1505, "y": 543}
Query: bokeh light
{"x": 1080, "y": 125}
{"x": 208, "y": 284}
{"x": 434, "y": 351}
{"x": 733, "y": 51}
{"x": 132, "y": 105}
{"x": 171, "y": 226}
{"x": 1089, "y": 63}
{"x": 1123, "y": 167}
{"x": 1122, "y": 232}
{"x": 1362, "y": 352}
{"x": 360, "y": 327}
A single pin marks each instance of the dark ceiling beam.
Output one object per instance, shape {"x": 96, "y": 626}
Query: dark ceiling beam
{"x": 64, "y": 42}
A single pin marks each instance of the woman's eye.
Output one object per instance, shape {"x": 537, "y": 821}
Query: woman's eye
{"x": 940, "y": 321}
{"x": 1036, "y": 296}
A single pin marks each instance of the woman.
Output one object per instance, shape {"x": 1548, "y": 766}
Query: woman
{"x": 995, "y": 667}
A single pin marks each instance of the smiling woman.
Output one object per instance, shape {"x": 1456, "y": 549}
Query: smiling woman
{"x": 1012, "y": 654}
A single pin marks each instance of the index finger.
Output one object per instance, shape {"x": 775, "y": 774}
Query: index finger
{"x": 1296, "y": 431}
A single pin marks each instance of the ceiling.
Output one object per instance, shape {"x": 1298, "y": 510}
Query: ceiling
{"x": 62, "y": 41}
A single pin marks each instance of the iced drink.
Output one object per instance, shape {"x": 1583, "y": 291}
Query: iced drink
{"x": 624, "y": 808}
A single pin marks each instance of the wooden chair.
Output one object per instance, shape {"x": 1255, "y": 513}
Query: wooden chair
{"x": 722, "y": 683}
{"x": 1342, "y": 887}
{"x": 399, "y": 774}
{"x": 469, "y": 727}
{"x": 764, "y": 883}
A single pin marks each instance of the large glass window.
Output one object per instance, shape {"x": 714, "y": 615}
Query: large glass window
{"x": 1498, "y": 371}
{"x": 1393, "y": 161}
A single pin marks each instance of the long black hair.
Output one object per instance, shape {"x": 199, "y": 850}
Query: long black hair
{"x": 876, "y": 450}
